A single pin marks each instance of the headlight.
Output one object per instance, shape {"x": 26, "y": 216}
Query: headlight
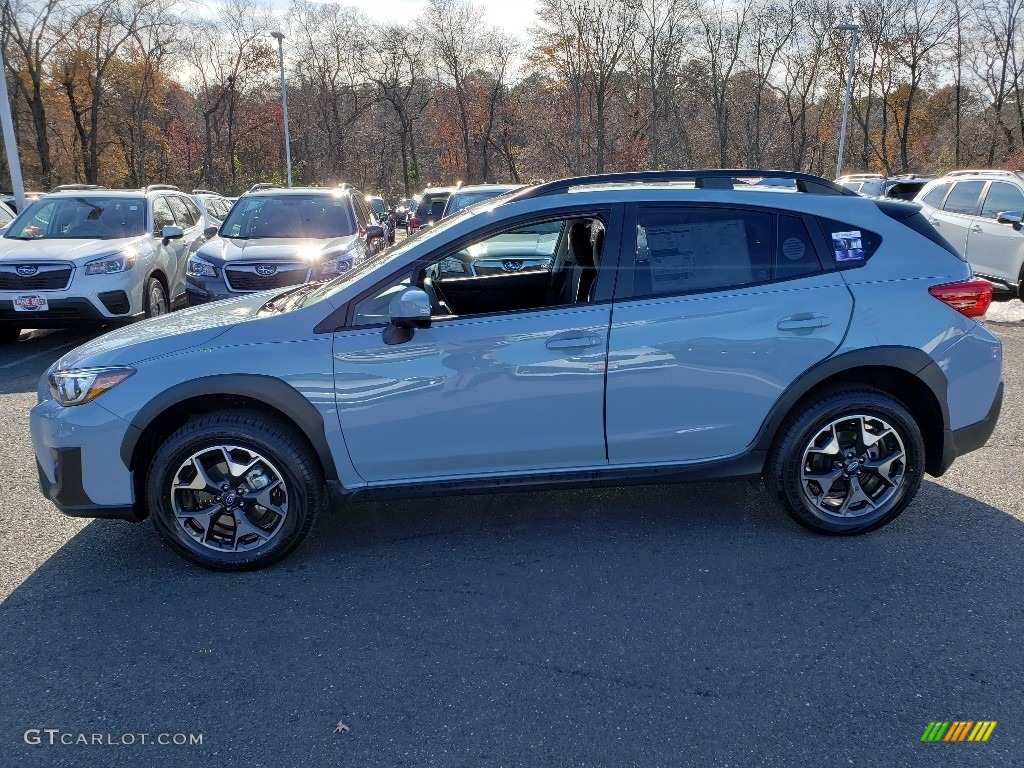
{"x": 338, "y": 265}
{"x": 451, "y": 264}
{"x": 200, "y": 267}
{"x": 76, "y": 387}
{"x": 108, "y": 265}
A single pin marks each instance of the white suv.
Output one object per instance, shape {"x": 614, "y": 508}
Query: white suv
{"x": 979, "y": 213}
{"x": 93, "y": 255}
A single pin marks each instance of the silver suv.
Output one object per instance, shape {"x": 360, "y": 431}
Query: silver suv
{"x": 979, "y": 213}
{"x": 96, "y": 255}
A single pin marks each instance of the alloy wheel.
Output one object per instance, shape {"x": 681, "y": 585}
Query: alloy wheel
{"x": 229, "y": 498}
{"x": 852, "y": 466}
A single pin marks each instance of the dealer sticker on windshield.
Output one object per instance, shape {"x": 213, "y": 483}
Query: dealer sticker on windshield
{"x": 30, "y": 303}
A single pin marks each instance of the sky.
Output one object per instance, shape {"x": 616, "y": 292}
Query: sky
{"x": 514, "y": 16}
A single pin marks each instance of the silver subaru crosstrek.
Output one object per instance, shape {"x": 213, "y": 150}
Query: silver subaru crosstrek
{"x": 686, "y": 326}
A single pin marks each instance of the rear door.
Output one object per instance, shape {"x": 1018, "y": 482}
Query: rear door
{"x": 995, "y": 249}
{"x": 723, "y": 310}
{"x": 953, "y": 221}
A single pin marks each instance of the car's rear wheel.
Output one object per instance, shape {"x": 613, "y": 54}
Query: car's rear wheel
{"x": 234, "y": 491}
{"x": 156, "y": 298}
{"x": 9, "y": 334}
{"x": 848, "y": 461}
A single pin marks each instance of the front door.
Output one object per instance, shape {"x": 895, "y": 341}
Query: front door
{"x": 519, "y": 389}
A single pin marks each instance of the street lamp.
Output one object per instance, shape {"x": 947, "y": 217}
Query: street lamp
{"x": 279, "y": 36}
{"x": 855, "y": 29}
{"x": 13, "y": 163}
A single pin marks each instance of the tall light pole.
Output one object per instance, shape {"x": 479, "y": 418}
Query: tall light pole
{"x": 284, "y": 103}
{"x": 855, "y": 29}
{"x": 10, "y": 143}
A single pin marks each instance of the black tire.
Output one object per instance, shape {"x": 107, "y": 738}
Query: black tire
{"x": 155, "y": 298}
{"x": 792, "y": 451}
{"x": 9, "y": 334}
{"x": 284, "y": 451}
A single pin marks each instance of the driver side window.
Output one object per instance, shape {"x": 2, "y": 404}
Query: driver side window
{"x": 547, "y": 263}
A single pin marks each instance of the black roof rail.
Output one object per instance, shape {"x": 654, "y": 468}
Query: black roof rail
{"x": 707, "y": 179}
{"x": 76, "y": 187}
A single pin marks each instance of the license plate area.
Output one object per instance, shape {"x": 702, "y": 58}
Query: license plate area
{"x": 30, "y": 303}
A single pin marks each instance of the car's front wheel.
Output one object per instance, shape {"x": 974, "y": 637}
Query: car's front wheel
{"x": 234, "y": 491}
{"x": 847, "y": 461}
{"x": 156, "y": 303}
{"x": 9, "y": 334}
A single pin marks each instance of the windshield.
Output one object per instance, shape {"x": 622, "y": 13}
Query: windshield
{"x": 80, "y": 217}
{"x": 462, "y": 200}
{"x": 316, "y": 216}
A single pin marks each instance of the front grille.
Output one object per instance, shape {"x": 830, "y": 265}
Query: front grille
{"x": 244, "y": 277}
{"x": 46, "y": 278}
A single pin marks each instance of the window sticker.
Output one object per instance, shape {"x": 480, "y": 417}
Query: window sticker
{"x": 848, "y": 246}
{"x": 700, "y": 255}
{"x": 793, "y": 248}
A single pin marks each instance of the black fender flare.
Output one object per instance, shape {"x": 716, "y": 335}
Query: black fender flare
{"x": 909, "y": 359}
{"x": 266, "y": 389}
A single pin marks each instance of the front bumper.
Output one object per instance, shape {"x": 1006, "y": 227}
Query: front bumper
{"x": 78, "y": 458}
{"x": 202, "y": 290}
{"x": 61, "y": 314}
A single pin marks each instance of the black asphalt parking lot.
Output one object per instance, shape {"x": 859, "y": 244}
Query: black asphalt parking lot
{"x": 656, "y": 626}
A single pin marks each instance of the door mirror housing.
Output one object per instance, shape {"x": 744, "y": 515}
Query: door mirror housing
{"x": 410, "y": 309}
{"x": 1010, "y": 217}
{"x": 172, "y": 233}
{"x": 374, "y": 232}
{"x": 210, "y": 232}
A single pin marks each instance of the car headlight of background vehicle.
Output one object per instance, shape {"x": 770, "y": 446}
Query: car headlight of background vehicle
{"x": 200, "y": 267}
{"x": 452, "y": 264}
{"x": 111, "y": 264}
{"x": 76, "y": 387}
{"x": 337, "y": 263}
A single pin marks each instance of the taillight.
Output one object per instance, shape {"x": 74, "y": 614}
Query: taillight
{"x": 414, "y": 221}
{"x": 968, "y": 297}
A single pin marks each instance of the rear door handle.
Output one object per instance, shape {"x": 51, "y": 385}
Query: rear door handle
{"x": 573, "y": 340}
{"x": 803, "y": 321}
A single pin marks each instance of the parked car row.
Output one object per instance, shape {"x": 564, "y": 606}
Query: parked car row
{"x": 901, "y": 187}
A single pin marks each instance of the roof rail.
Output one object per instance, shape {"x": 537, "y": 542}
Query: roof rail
{"x": 76, "y": 187}
{"x": 156, "y": 187}
{"x": 205, "y": 192}
{"x": 717, "y": 179}
{"x": 982, "y": 171}
{"x": 263, "y": 185}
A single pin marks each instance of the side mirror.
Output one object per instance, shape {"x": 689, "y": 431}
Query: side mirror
{"x": 374, "y": 232}
{"x": 1010, "y": 217}
{"x": 410, "y": 309}
{"x": 210, "y": 232}
{"x": 426, "y": 225}
{"x": 172, "y": 233}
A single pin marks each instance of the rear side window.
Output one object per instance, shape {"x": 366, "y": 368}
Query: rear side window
{"x": 683, "y": 250}
{"x": 795, "y": 254}
{"x": 1002, "y": 197}
{"x": 851, "y": 245}
{"x": 935, "y": 197}
{"x": 964, "y": 197}
{"x": 182, "y": 214}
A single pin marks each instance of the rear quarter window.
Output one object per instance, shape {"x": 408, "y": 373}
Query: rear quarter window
{"x": 936, "y": 195}
{"x": 851, "y": 245}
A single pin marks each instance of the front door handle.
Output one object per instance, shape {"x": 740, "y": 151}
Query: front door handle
{"x": 573, "y": 341}
{"x": 976, "y": 228}
{"x": 933, "y": 222}
{"x": 804, "y": 321}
